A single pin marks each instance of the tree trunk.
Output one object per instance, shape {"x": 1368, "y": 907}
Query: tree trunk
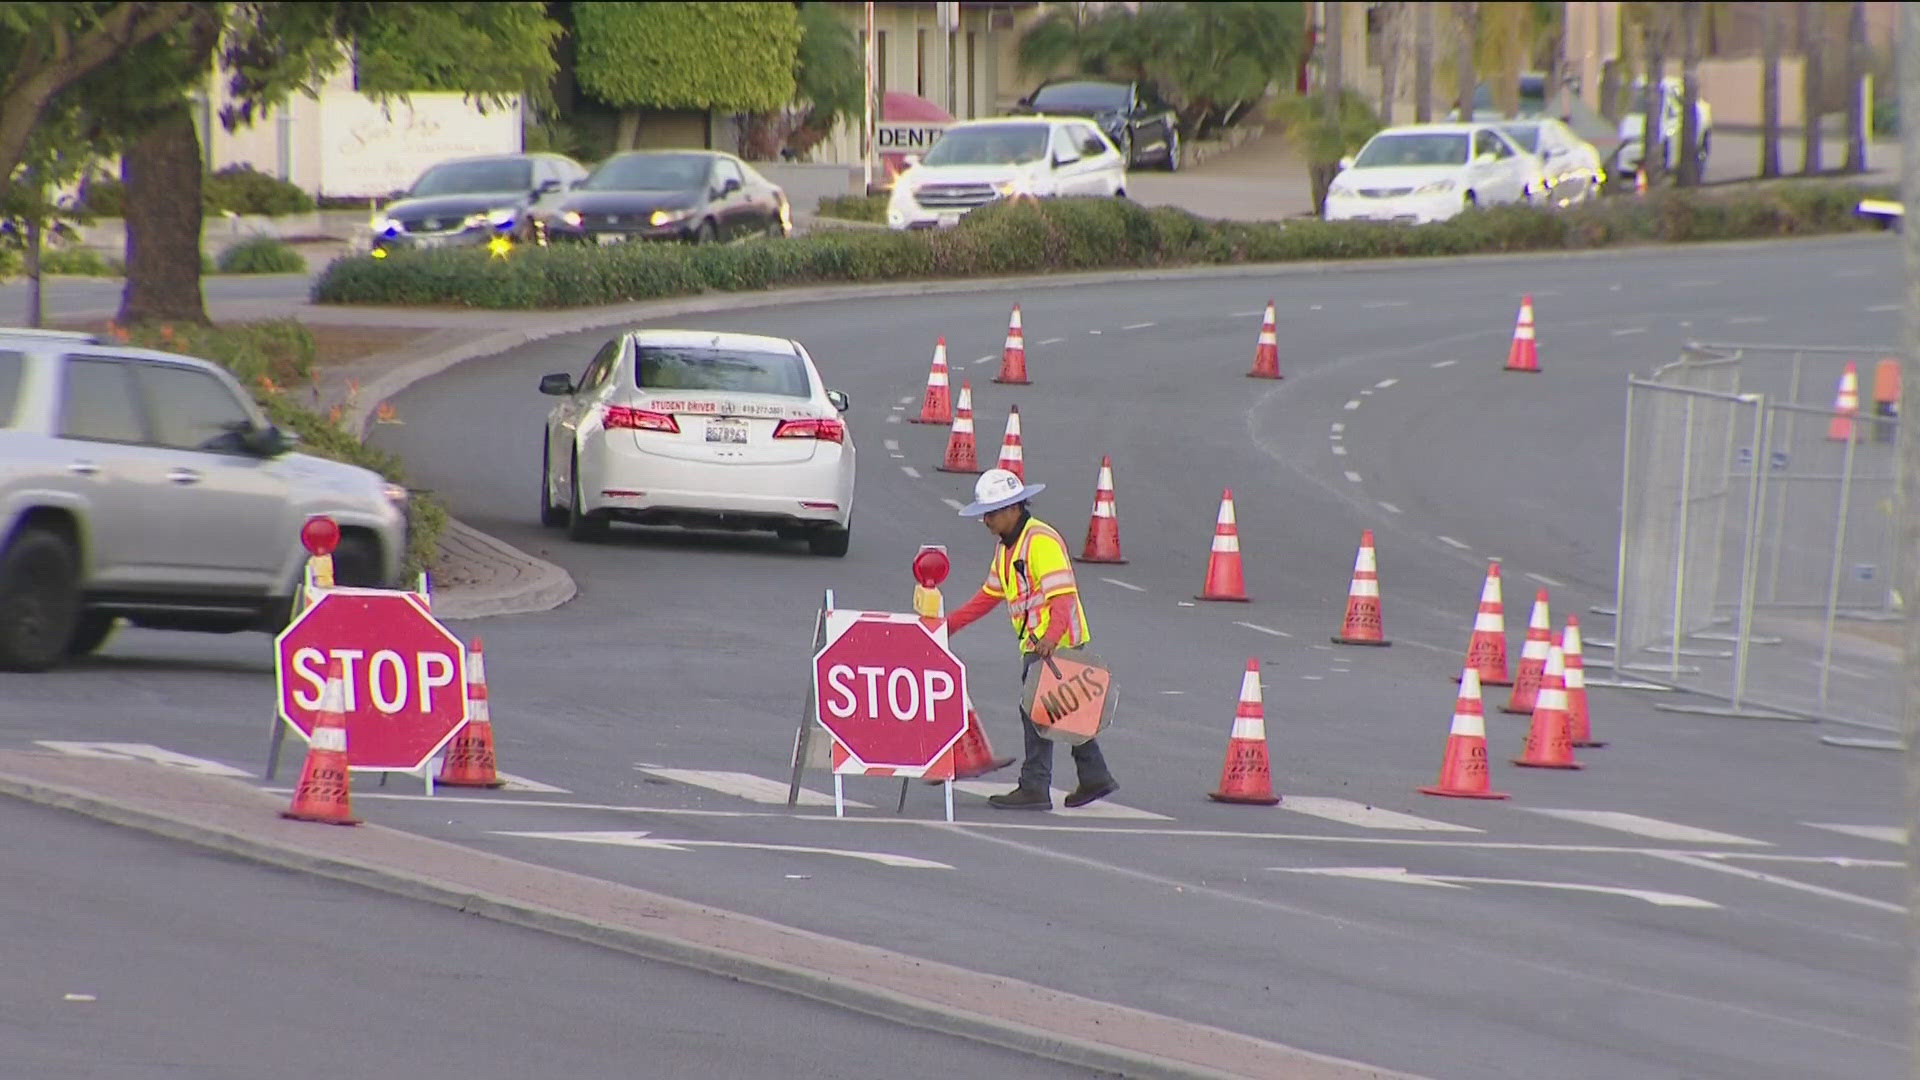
{"x": 1769, "y": 90}
{"x": 1808, "y": 15}
{"x": 1391, "y": 16}
{"x": 1334, "y": 31}
{"x": 1856, "y": 78}
{"x": 1422, "y": 63}
{"x": 1463, "y": 79}
{"x": 161, "y": 169}
{"x": 36, "y": 310}
{"x": 1652, "y": 135}
{"x": 627, "y": 134}
{"x": 1689, "y": 163}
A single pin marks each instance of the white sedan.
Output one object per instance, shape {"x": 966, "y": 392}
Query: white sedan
{"x": 1431, "y": 172}
{"x": 701, "y": 430}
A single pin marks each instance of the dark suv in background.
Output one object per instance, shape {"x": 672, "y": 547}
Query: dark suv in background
{"x": 1144, "y": 128}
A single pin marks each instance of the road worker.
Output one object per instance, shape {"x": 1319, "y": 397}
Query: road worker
{"x": 1033, "y": 575}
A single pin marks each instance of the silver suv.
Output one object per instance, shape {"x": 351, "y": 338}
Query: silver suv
{"x": 149, "y": 486}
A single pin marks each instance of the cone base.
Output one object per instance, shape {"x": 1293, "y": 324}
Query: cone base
{"x": 1529, "y": 370}
{"x": 975, "y": 471}
{"x": 444, "y": 782}
{"x": 291, "y": 816}
{"x": 1228, "y": 599}
{"x": 923, "y": 420}
{"x": 1103, "y": 562}
{"x": 1013, "y": 382}
{"x": 1244, "y": 800}
{"x": 1569, "y": 765}
{"x": 1516, "y": 712}
{"x": 1451, "y": 793}
{"x": 1264, "y": 375}
{"x": 1591, "y": 743}
{"x": 1381, "y": 642}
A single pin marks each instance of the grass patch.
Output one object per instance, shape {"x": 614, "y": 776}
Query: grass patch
{"x": 870, "y": 208}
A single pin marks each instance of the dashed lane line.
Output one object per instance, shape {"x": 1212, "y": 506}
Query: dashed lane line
{"x": 1373, "y": 304}
{"x": 1353, "y": 477}
{"x": 1890, "y": 834}
{"x": 910, "y": 471}
{"x": 1352, "y": 404}
{"x": 893, "y": 418}
{"x": 955, "y": 503}
{"x": 1706, "y": 863}
{"x": 1338, "y": 428}
{"x": 985, "y": 360}
{"x": 1384, "y": 383}
{"x": 1339, "y": 450}
{"x": 1738, "y": 320}
{"x": 1878, "y": 308}
{"x": 1137, "y": 326}
{"x": 1443, "y": 363}
{"x": 891, "y": 444}
{"x": 1389, "y": 508}
{"x": 1627, "y": 330}
{"x": 1268, "y": 630}
{"x": 1452, "y": 543}
{"x": 906, "y": 401}
{"x": 1123, "y": 584}
{"x": 1547, "y": 581}
{"x": 1699, "y": 283}
{"x": 1051, "y": 341}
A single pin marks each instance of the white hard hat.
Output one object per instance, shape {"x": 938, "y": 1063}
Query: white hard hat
{"x": 997, "y": 489}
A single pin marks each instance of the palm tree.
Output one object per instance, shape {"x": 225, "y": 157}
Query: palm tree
{"x": 1467, "y": 14}
{"x": 1856, "y": 99}
{"x": 1689, "y": 163}
{"x": 1807, "y": 15}
{"x": 1392, "y": 30}
{"x": 1422, "y": 63}
{"x": 1769, "y": 90}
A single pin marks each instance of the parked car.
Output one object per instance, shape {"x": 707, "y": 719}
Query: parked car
{"x": 1632, "y": 149}
{"x": 1570, "y": 164}
{"x": 702, "y": 430}
{"x": 1145, "y": 129}
{"x": 981, "y": 161}
{"x": 1431, "y": 172}
{"x": 148, "y": 486}
{"x": 695, "y": 195}
{"x": 470, "y": 201}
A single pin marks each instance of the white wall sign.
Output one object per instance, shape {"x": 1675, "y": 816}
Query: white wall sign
{"x": 368, "y": 149}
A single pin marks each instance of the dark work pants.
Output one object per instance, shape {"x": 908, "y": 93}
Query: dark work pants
{"x": 1036, "y": 772}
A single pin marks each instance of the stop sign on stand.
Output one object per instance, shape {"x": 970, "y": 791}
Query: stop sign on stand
{"x": 405, "y": 676}
{"x": 891, "y": 694}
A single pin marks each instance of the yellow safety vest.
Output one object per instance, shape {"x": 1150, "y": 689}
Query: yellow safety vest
{"x": 1029, "y": 573}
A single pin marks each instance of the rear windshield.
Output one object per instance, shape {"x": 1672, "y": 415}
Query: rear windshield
{"x": 739, "y": 372}
{"x": 474, "y": 178}
{"x": 1427, "y": 148}
{"x": 12, "y": 364}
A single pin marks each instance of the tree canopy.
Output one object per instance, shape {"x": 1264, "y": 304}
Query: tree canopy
{"x": 735, "y": 57}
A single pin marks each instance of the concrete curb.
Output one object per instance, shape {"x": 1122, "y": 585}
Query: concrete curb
{"x": 541, "y": 586}
{"x": 209, "y": 795}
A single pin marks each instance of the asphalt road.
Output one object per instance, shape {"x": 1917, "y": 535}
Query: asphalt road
{"x": 1693, "y": 916}
{"x": 71, "y": 297}
{"x": 132, "y": 957}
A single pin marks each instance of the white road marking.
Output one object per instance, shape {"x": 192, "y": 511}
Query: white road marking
{"x": 1454, "y": 881}
{"x": 906, "y": 401}
{"x": 891, "y": 444}
{"x": 1122, "y": 584}
{"x": 899, "y": 408}
{"x": 1740, "y": 319}
{"x": 644, "y": 840}
{"x": 898, "y": 457}
{"x": 1626, "y": 330}
{"x": 1352, "y": 405}
{"x": 1335, "y": 434}
{"x": 1052, "y": 341}
{"x": 1353, "y": 477}
{"x": 1315, "y": 307}
{"x": 1338, "y": 450}
{"x": 80, "y": 998}
{"x": 1185, "y": 603}
{"x": 1646, "y": 826}
{"x": 893, "y": 418}
{"x": 1891, "y": 834}
{"x": 1269, "y": 631}
{"x": 955, "y": 503}
{"x": 1547, "y": 581}
{"x": 1247, "y": 314}
{"x": 741, "y": 786}
{"x": 1338, "y": 428}
{"x": 1348, "y": 812}
{"x": 1096, "y": 333}
{"x": 910, "y": 471}
{"x": 1177, "y": 693}
{"x": 1384, "y": 383}
{"x": 1706, "y": 863}
{"x": 1101, "y": 809}
{"x": 1367, "y": 392}
{"x": 1137, "y": 326}
{"x": 1313, "y": 678}
{"x": 985, "y": 360}
{"x": 520, "y": 783}
{"x": 1884, "y": 307}
{"x": 147, "y": 752}
{"x": 1443, "y": 363}
{"x": 1389, "y": 508}
{"x": 1452, "y": 543}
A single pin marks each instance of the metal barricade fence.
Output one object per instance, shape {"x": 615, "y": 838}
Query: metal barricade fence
{"x": 1757, "y": 539}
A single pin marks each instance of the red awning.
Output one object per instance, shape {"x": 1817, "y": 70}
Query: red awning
{"x": 898, "y": 106}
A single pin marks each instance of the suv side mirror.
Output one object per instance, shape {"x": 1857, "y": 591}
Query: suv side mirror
{"x": 841, "y": 402}
{"x": 266, "y": 441}
{"x": 1061, "y": 161}
{"x": 557, "y": 385}
{"x": 1346, "y": 163}
{"x": 547, "y": 186}
{"x": 728, "y": 187}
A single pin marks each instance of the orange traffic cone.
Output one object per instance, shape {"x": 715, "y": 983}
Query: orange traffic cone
{"x": 1011, "y": 458}
{"x": 1640, "y": 182}
{"x": 1463, "y": 770}
{"x": 1266, "y": 353}
{"x": 1224, "y": 581}
{"x": 1013, "y": 355}
{"x": 1103, "y": 529}
{"x": 323, "y": 791}
{"x": 960, "y": 454}
{"x": 1533, "y": 659}
{"x": 1579, "y": 727}
{"x": 1846, "y": 405}
{"x": 469, "y": 760}
{"x": 1549, "y": 745}
{"x": 1523, "y": 354}
{"x": 936, "y": 407}
{"x": 1362, "y": 625}
{"x": 1247, "y": 776}
{"x": 973, "y": 754}
{"x": 1487, "y": 648}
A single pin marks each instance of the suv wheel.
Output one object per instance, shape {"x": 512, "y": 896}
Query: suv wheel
{"x": 550, "y": 515}
{"x": 91, "y": 632}
{"x": 39, "y": 601}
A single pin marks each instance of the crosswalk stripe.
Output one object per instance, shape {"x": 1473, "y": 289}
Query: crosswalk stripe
{"x": 1102, "y": 809}
{"x": 1646, "y": 826}
{"x": 1348, "y": 812}
{"x": 515, "y": 782}
{"x": 1891, "y": 834}
{"x": 743, "y": 786}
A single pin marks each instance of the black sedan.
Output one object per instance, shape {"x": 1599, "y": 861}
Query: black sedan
{"x": 1143, "y": 127}
{"x": 698, "y": 196}
{"x": 469, "y": 201}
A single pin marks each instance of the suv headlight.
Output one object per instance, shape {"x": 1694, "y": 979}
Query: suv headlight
{"x": 1438, "y": 187}
{"x": 394, "y": 494}
{"x": 668, "y": 217}
{"x": 571, "y": 217}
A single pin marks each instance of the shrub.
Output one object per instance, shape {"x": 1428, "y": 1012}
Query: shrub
{"x": 241, "y": 189}
{"x": 1064, "y": 235}
{"x": 261, "y": 255}
{"x": 80, "y": 262}
{"x": 854, "y": 207}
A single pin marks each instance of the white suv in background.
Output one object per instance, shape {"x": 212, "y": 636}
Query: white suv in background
{"x": 147, "y": 486}
{"x": 981, "y": 161}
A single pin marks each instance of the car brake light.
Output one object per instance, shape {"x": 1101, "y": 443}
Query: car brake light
{"x": 624, "y": 416}
{"x": 833, "y": 431}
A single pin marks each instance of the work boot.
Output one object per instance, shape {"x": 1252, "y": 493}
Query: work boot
{"x": 1021, "y": 798}
{"x": 1087, "y": 793}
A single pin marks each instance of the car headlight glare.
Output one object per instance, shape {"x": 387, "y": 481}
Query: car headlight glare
{"x": 500, "y": 219}
{"x": 667, "y": 217}
{"x": 394, "y": 493}
{"x": 571, "y": 217}
{"x": 383, "y": 225}
{"x": 1438, "y": 187}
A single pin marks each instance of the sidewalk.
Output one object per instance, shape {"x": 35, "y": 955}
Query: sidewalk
{"x": 1262, "y": 179}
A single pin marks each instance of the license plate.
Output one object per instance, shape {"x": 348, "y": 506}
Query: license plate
{"x": 726, "y": 432}
{"x": 610, "y": 238}
{"x": 948, "y": 221}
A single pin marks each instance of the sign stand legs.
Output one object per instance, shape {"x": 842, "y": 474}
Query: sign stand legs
{"x": 274, "y": 742}
{"x": 803, "y": 739}
{"x": 839, "y": 795}
{"x": 949, "y": 786}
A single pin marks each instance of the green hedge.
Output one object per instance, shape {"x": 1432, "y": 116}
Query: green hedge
{"x": 261, "y": 255}
{"x": 1061, "y": 235}
{"x": 241, "y": 189}
{"x": 854, "y": 207}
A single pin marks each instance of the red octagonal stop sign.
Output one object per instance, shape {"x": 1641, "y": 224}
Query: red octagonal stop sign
{"x": 889, "y": 690}
{"x": 405, "y": 675}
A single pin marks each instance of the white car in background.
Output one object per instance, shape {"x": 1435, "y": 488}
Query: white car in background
{"x": 982, "y": 161}
{"x": 1430, "y": 172}
{"x": 701, "y": 430}
{"x": 1571, "y": 164}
